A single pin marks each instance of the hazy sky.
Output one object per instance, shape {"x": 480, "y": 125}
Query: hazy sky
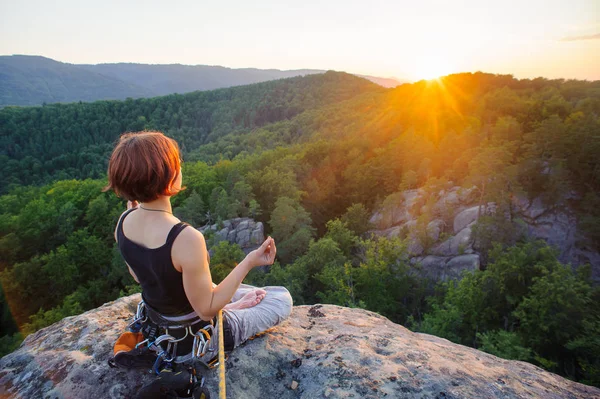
{"x": 405, "y": 39}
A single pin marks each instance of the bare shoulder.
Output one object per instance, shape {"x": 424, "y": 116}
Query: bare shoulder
{"x": 189, "y": 249}
{"x": 119, "y": 221}
{"x": 190, "y": 235}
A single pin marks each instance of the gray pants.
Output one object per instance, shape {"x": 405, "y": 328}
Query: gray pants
{"x": 274, "y": 308}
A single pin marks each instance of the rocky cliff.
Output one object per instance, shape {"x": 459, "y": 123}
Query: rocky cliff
{"x": 245, "y": 232}
{"x": 319, "y": 352}
{"x": 454, "y": 213}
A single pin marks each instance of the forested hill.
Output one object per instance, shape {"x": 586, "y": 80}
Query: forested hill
{"x": 62, "y": 141}
{"x": 35, "y": 80}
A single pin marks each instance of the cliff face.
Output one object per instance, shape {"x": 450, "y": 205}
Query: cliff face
{"x": 454, "y": 213}
{"x": 245, "y": 232}
{"x": 329, "y": 351}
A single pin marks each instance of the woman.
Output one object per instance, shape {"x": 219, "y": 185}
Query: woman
{"x": 170, "y": 259}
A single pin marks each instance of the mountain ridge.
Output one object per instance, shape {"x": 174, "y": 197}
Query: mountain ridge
{"x": 27, "y": 80}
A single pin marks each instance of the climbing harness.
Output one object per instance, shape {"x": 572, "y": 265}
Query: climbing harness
{"x": 173, "y": 343}
{"x": 180, "y": 340}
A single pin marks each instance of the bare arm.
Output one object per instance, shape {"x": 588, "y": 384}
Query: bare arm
{"x": 189, "y": 252}
{"x": 129, "y": 206}
{"x": 132, "y": 273}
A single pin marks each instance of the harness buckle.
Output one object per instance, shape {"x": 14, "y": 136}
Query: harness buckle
{"x": 139, "y": 318}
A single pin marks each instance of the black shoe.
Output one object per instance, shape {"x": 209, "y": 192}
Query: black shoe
{"x": 169, "y": 384}
{"x": 139, "y": 358}
{"x": 200, "y": 392}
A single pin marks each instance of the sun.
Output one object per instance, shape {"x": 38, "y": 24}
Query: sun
{"x": 433, "y": 67}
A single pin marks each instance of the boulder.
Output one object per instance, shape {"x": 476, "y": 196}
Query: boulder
{"x": 398, "y": 214}
{"x": 411, "y": 196}
{"x": 455, "y": 266}
{"x": 245, "y": 232}
{"x": 223, "y": 233}
{"x": 376, "y": 219}
{"x": 432, "y": 266}
{"x": 470, "y": 215}
{"x": 231, "y": 236}
{"x": 244, "y": 224}
{"x": 447, "y": 202}
{"x": 257, "y": 237}
{"x": 461, "y": 243}
{"x": 530, "y": 210}
{"x": 323, "y": 351}
{"x": 434, "y": 229}
{"x": 389, "y": 233}
{"x": 466, "y": 195}
{"x": 414, "y": 247}
{"x": 393, "y": 232}
{"x": 409, "y": 225}
{"x": 465, "y": 218}
{"x": 243, "y": 238}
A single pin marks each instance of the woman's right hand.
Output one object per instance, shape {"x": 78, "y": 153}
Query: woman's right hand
{"x": 263, "y": 255}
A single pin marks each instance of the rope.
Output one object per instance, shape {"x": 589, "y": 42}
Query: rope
{"x": 222, "y": 393}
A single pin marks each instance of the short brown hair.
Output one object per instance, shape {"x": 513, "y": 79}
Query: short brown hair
{"x": 143, "y": 166}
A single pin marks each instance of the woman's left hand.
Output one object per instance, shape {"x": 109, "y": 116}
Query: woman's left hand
{"x": 132, "y": 204}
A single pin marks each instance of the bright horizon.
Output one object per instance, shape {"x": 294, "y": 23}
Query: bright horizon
{"x": 407, "y": 41}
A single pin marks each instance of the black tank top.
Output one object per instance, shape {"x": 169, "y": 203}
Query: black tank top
{"x": 162, "y": 284}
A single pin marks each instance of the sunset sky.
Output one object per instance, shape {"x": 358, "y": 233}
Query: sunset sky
{"x": 409, "y": 40}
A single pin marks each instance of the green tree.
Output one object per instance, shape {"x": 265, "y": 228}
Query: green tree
{"x": 242, "y": 197}
{"x": 269, "y": 185}
{"x": 505, "y": 344}
{"x": 409, "y": 180}
{"x": 321, "y": 262}
{"x": 357, "y": 219}
{"x": 193, "y": 210}
{"x": 254, "y": 209}
{"x": 225, "y": 257}
{"x": 491, "y": 171}
{"x": 220, "y": 203}
{"x": 552, "y": 314}
{"x": 496, "y": 229}
{"x": 384, "y": 283}
{"x": 291, "y": 226}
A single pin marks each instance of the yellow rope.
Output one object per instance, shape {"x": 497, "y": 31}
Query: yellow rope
{"x": 222, "y": 393}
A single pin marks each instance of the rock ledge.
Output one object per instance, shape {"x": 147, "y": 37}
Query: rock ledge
{"x": 321, "y": 351}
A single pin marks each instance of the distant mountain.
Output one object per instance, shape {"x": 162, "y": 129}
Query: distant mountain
{"x": 34, "y": 80}
{"x": 177, "y": 78}
{"x": 385, "y": 82}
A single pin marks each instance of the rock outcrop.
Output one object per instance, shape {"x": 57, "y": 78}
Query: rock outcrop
{"x": 245, "y": 232}
{"x": 455, "y": 212}
{"x": 558, "y": 227}
{"x": 321, "y": 351}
